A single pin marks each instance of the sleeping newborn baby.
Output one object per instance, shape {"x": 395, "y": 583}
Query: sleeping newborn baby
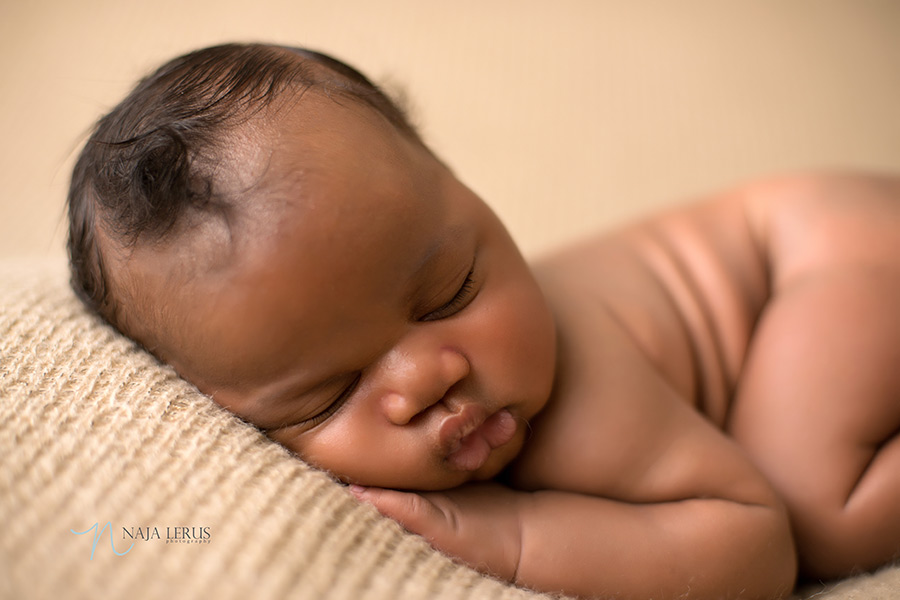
{"x": 692, "y": 407}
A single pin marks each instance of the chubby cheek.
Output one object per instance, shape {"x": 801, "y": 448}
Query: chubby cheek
{"x": 519, "y": 343}
{"x": 346, "y": 448}
{"x": 354, "y": 448}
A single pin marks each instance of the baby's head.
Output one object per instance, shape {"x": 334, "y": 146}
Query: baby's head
{"x": 265, "y": 220}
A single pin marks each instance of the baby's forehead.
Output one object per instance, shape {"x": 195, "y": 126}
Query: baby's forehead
{"x": 311, "y": 157}
{"x": 313, "y": 130}
{"x": 324, "y": 152}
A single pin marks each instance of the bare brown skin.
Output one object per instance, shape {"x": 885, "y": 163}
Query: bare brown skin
{"x": 713, "y": 370}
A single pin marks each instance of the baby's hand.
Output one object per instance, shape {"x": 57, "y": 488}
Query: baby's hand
{"x": 476, "y": 523}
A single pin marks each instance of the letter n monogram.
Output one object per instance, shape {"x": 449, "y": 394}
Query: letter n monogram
{"x": 97, "y": 535}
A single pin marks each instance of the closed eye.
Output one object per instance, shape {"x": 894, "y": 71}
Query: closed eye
{"x": 332, "y": 407}
{"x": 464, "y": 295}
{"x": 336, "y": 404}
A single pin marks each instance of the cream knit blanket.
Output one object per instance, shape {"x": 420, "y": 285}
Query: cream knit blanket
{"x": 93, "y": 431}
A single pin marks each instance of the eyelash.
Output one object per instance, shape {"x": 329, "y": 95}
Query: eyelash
{"x": 458, "y": 302}
{"x": 333, "y": 407}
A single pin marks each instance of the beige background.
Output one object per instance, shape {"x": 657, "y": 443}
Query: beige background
{"x": 565, "y": 115}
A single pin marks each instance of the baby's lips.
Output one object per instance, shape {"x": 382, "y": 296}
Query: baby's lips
{"x": 473, "y": 439}
{"x": 499, "y": 429}
{"x": 458, "y": 425}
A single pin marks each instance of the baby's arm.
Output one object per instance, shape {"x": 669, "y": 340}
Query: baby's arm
{"x": 660, "y": 505}
{"x": 589, "y": 546}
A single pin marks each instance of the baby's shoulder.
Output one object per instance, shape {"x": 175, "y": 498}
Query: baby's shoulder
{"x": 731, "y": 252}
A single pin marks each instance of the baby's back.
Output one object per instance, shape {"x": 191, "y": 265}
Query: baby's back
{"x": 693, "y": 285}
{"x": 774, "y": 310}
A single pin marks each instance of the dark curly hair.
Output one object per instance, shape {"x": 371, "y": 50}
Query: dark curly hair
{"x": 150, "y": 159}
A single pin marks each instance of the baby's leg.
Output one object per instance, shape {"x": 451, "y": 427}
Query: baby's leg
{"x": 818, "y": 408}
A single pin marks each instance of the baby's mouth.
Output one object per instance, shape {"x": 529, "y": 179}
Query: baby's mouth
{"x": 469, "y": 436}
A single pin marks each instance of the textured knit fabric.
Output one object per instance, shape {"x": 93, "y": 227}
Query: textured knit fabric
{"x": 93, "y": 431}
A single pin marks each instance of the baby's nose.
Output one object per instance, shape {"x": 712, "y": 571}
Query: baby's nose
{"x": 422, "y": 381}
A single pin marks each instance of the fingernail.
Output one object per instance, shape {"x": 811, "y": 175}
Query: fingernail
{"x": 357, "y": 490}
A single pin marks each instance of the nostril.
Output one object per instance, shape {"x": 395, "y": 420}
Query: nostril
{"x": 454, "y": 399}
{"x": 401, "y": 409}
